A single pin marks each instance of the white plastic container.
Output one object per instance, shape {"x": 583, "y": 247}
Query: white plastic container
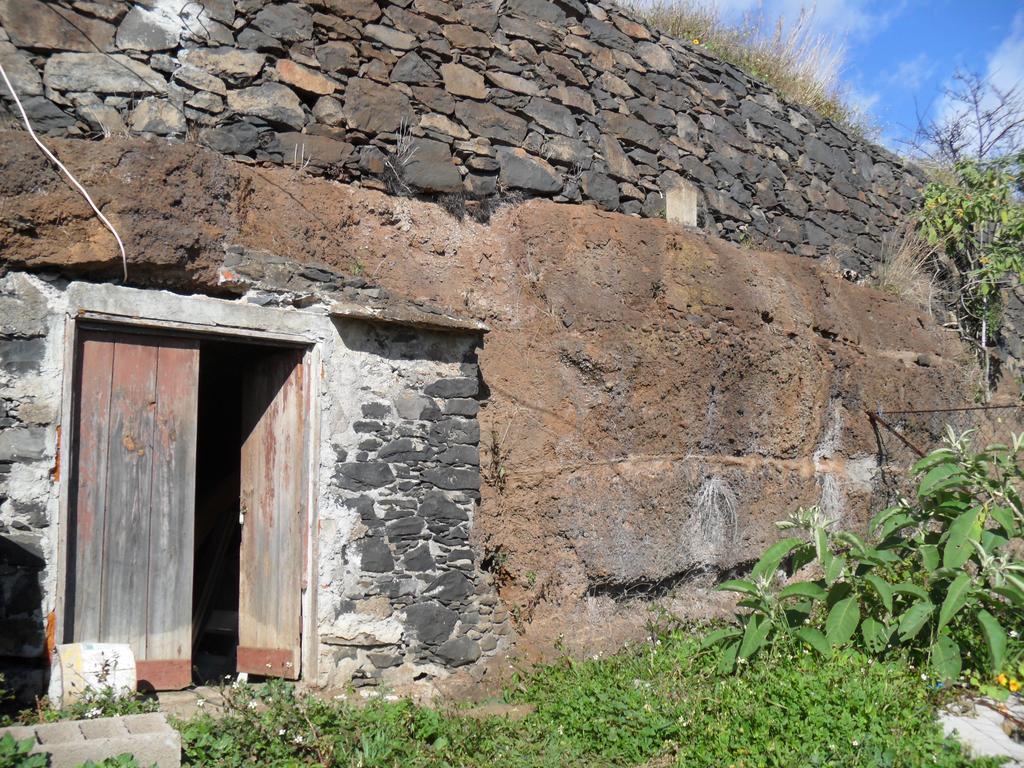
{"x": 80, "y": 667}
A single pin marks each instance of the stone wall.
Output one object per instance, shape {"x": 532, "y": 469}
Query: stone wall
{"x": 572, "y": 101}
{"x": 30, "y": 361}
{"x": 401, "y": 595}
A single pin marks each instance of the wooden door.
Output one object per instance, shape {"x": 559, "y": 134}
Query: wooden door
{"x": 273, "y": 503}
{"x": 132, "y": 515}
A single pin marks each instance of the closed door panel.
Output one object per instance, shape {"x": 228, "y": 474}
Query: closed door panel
{"x": 132, "y": 522}
{"x": 273, "y": 502}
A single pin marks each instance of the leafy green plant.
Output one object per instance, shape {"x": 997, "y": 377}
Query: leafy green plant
{"x": 93, "y": 703}
{"x": 16, "y": 754}
{"x": 121, "y": 761}
{"x": 937, "y": 576}
{"x": 976, "y": 216}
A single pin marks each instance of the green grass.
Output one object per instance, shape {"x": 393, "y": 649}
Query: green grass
{"x": 657, "y": 704}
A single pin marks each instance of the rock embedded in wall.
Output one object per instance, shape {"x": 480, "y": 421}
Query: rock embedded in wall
{"x": 580, "y": 103}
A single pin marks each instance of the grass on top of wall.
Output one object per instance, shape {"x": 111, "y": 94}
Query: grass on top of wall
{"x": 802, "y": 64}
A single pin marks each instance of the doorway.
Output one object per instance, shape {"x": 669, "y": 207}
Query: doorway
{"x": 187, "y": 519}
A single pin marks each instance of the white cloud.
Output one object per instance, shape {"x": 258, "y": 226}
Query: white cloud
{"x": 863, "y": 102}
{"x": 1006, "y": 64}
{"x": 913, "y": 73}
{"x": 841, "y": 18}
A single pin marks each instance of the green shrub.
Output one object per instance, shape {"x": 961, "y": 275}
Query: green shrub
{"x": 15, "y": 754}
{"x": 939, "y": 581}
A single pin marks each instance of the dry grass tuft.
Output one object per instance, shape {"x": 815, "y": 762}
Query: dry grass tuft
{"x": 803, "y": 65}
{"x": 907, "y": 268}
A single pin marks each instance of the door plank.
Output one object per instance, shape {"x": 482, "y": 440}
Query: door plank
{"x": 92, "y": 405}
{"x": 274, "y": 500}
{"x": 172, "y": 528}
{"x": 125, "y": 580}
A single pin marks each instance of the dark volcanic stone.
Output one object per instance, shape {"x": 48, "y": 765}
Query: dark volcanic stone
{"x": 46, "y": 116}
{"x": 418, "y": 560}
{"x": 491, "y": 122}
{"x": 601, "y": 189}
{"x": 461, "y": 406}
{"x": 460, "y": 454}
{"x": 552, "y": 116}
{"x": 430, "y": 622}
{"x": 288, "y": 22}
{"x": 413, "y": 69}
{"x": 437, "y": 506}
{"x": 338, "y": 57}
{"x": 459, "y": 651}
{"x": 521, "y": 170}
{"x": 359, "y": 476}
{"x": 455, "y": 431}
{"x": 376, "y": 108}
{"x": 430, "y": 168}
{"x": 449, "y": 587}
{"x": 462, "y": 386}
{"x": 453, "y": 479}
{"x": 376, "y": 556}
{"x": 405, "y": 528}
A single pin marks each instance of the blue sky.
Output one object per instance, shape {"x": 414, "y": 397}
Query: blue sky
{"x": 902, "y": 54}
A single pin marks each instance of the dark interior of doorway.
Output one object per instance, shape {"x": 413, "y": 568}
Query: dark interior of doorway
{"x": 223, "y": 369}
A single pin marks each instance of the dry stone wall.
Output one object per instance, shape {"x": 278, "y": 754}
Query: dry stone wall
{"x": 473, "y": 102}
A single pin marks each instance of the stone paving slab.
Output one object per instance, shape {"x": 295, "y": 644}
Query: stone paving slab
{"x": 982, "y": 732}
{"x": 149, "y": 737}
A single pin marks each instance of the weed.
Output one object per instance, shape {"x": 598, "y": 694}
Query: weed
{"x": 937, "y": 580}
{"x": 801, "y": 63}
{"x": 396, "y": 161}
{"x": 907, "y": 267}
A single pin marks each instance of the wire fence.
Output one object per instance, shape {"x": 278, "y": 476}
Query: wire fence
{"x": 904, "y": 436}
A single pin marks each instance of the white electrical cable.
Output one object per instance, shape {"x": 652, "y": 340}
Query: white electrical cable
{"x": 59, "y": 164}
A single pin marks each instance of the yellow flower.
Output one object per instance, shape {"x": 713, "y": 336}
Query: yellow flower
{"x": 1001, "y": 679}
{"x": 696, "y": 41}
{"x": 1014, "y": 685}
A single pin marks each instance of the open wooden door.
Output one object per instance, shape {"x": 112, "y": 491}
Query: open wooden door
{"x": 273, "y": 503}
{"x": 130, "y": 543}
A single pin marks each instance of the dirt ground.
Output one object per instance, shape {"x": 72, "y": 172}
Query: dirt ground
{"x": 656, "y": 399}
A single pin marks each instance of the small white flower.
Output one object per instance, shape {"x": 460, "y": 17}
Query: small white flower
{"x": 94, "y": 712}
{"x": 855, "y": 743}
{"x": 282, "y": 732}
{"x": 924, "y": 677}
{"x": 200, "y": 703}
{"x": 298, "y": 738}
{"x": 252, "y": 705}
{"x": 1013, "y": 633}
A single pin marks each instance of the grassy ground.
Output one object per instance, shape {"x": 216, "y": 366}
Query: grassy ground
{"x": 659, "y": 704}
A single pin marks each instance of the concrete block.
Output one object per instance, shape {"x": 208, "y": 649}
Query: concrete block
{"x": 681, "y": 204}
{"x": 103, "y": 728}
{"x": 148, "y": 738}
{"x": 59, "y": 733}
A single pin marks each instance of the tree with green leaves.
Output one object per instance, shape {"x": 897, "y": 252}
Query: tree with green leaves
{"x": 976, "y": 217}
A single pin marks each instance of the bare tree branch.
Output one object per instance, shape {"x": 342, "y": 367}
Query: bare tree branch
{"x": 981, "y": 122}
